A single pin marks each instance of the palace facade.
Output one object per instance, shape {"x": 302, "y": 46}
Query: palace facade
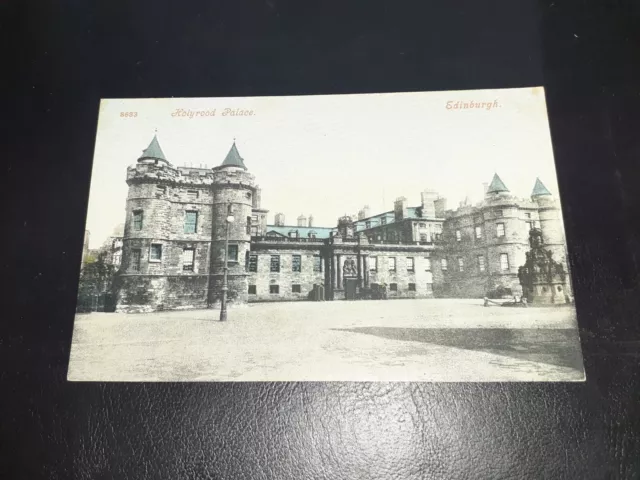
{"x": 176, "y": 228}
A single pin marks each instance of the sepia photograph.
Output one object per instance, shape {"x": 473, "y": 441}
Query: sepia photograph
{"x": 367, "y": 237}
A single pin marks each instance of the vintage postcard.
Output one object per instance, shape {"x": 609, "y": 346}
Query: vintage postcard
{"x": 378, "y": 237}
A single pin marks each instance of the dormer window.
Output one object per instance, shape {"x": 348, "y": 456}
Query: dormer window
{"x": 293, "y": 234}
{"x": 312, "y": 234}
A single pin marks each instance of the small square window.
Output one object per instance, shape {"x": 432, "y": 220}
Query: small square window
{"x": 253, "y": 263}
{"x": 373, "y": 264}
{"x": 392, "y": 264}
{"x": 155, "y": 254}
{"x": 295, "y": 288}
{"x": 504, "y": 262}
{"x": 443, "y": 264}
{"x": 478, "y": 232}
{"x": 274, "y": 289}
{"x": 461, "y": 264}
{"x": 252, "y": 290}
{"x": 136, "y": 253}
{"x": 500, "y": 229}
{"x": 412, "y": 287}
{"x": 233, "y": 253}
{"x": 410, "y": 264}
{"x": 458, "y": 235}
{"x": 296, "y": 263}
{"x": 188, "y": 255}
{"x": 190, "y": 221}
{"x": 427, "y": 264}
{"x": 481, "y": 263}
{"x": 137, "y": 220}
{"x": 393, "y": 287}
{"x": 275, "y": 263}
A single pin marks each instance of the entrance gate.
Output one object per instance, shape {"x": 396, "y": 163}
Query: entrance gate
{"x": 351, "y": 288}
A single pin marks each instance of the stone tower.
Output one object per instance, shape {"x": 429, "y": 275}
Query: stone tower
{"x": 141, "y": 284}
{"x": 167, "y": 232}
{"x": 505, "y": 238}
{"x": 233, "y": 190}
{"x": 550, "y": 223}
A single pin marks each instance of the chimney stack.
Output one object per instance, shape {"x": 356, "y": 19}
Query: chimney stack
{"x": 440, "y": 205}
{"x": 485, "y": 187}
{"x": 400, "y": 208}
{"x": 279, "y": 220}
{"x": 302, "y": 221}
{"x": 310, "y": 221}
{"x": 428, "y": 203}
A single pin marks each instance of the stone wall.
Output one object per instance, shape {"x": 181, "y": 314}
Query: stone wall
{"x": 421, "y": 276}
{"x": 286, "y": 278}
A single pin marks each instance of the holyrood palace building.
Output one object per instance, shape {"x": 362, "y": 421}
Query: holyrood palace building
{"x": 177, "y": 225}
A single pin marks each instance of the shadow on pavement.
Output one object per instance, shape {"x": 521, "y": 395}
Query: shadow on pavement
{"x": 560, "y": 347}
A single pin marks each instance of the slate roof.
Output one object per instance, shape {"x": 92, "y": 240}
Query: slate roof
{"x": 497, "y": 185}
{"x": 303, "y": 232}
{"x": 233, "y": 158}
{"x": 539, "y": 189}
{"x": 153, "y": 151}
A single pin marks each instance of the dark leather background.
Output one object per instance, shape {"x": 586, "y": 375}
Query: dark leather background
{"x": 64, "y": 56}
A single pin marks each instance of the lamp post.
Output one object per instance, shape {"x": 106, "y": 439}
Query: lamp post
{"x": 225, "y": 286}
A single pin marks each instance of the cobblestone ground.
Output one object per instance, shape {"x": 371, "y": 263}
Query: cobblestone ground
{"x": 401, "y": 340}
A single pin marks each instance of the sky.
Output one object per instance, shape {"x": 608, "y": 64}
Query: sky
{"x": 331, "y": 155}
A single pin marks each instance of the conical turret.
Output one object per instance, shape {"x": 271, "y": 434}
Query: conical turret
{"x": 539, "y": 189}
{"x": 153, "y": 151}
{"x": 233, "y": 158}
{"x": 497, "y": 186}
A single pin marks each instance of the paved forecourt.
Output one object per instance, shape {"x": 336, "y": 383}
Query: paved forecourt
{"x": 394, "y": 340}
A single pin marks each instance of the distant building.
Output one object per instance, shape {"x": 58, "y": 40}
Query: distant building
{"x": 172, "y": 250}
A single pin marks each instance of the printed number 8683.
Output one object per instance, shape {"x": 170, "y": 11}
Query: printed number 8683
{"x": 128, "y": 114}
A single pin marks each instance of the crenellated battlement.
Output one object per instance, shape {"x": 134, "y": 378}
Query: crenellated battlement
{"x": 168, "y": 174}
{"x": 232, "y": 176}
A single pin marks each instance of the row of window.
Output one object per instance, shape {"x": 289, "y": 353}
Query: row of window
{"x": 190, "y": 221}
{"x": 500, "y": 232}
{"x": 478, "y": 232}
{"x": 411, "y": 264}
{"x": 275, "y": 264}
{"x": 155, "y": 255}
{"x": 480, "y": 263}
{"x": 188, "y": 255}
{"x": 191, "y": 194}
{"x": 297, "y": 288}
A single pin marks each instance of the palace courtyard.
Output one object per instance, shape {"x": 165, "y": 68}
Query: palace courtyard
{"x": 368, "y": 340}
